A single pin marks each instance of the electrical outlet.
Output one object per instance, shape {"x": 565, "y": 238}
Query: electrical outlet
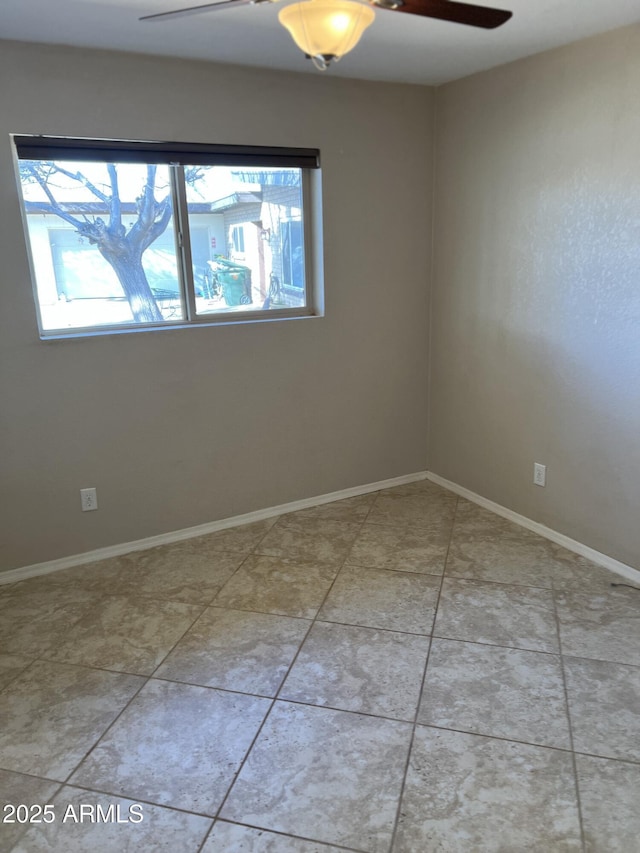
{"x": 539, "y": 474}
{"x": 88, "y": 499}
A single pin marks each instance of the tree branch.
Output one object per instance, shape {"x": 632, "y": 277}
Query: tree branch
{"x": 153, "y": 216}
{"x": 147, "y": 199}
{"x": 115, "y": 207}
{"x": 86, "y": 228}
{"x": 159, "y": 225}
{"x": 82, "y": 179}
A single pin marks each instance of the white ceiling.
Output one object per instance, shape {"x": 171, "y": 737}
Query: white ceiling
{"x": 397, "y": 47}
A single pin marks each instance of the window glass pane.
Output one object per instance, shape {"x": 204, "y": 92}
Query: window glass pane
{"x": 253, "y": 258}
{"x": 102, "y": 242}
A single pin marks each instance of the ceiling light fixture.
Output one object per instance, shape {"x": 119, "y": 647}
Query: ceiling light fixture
{"x": 326, "y": 29}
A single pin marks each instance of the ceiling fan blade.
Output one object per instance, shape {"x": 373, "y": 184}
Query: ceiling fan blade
{"x": 195, "y": 10}
{"x": 447, "y": 10}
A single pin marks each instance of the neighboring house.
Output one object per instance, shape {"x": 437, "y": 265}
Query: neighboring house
{"x": 264, "y": 232}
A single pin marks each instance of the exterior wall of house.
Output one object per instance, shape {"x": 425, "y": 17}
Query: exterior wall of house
{"x": 245, "y": 214}
{"x": 536, "y": 306}
{"x": 283, "y": 205}
{"x": 238, "y": 215}
{"x": 181, "y": 427}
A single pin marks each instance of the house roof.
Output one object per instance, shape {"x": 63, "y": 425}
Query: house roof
{"x": 234, "y": 200}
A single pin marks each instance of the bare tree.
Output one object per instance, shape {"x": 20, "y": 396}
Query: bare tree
{"x": 122, "y": 246}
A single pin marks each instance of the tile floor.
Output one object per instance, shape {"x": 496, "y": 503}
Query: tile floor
{"x": 402, "y": 672}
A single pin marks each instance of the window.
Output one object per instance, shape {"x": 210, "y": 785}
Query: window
{"x": 237, "y": 238}
{"x": 129, "y": 235}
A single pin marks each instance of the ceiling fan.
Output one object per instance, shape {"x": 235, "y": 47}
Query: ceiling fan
{"x": 327, "y": 29}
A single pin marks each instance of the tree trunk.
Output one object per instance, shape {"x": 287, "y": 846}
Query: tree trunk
{"x": 133, "y": 279}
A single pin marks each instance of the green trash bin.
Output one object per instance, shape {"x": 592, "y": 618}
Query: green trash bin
{"x": 235, "y": 281}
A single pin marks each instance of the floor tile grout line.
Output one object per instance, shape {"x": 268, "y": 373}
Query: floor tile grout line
{"x": 403, "y": 783}
{"x": 211, "y": 687}
{"x": 341, "y": 624}
{"x": 324, "y": 599}
{"x": 486, "y": 644}
{"x": 282, "y": 834}
{"x": 147, "y": 679}
{"x": 564, "y": 749}
{"x": 178, "y": 641}
{"x": 569, "y": 724}
{"x": 277, "y": 614}
{"x": 488, "y": 582}
{"x": 19, "y": 674}
{"x": 91, "y": 667}
{"x": 286, "y": 675}
{"x": 369, "y": 568}
{"x": 571, "y": 751}
{"x": 494, "y": 645}
{"x": 202, "y": 613}
{"x": 101, "y": 736}
{"x": 107, "y": 729}
{"x": 630, "y": 761}
{"x": 235, "y": 572}
{"x": 43, "y": 657}
{"x": 368, "y": 714}
{"x": 238, "y": 554}
{"x": 475, "y": 579}
{"x": 107, "y": 791}
{"x": 601, "y": 660}
{"x": 32, "y": 775}
{"x": 255, "y": 737}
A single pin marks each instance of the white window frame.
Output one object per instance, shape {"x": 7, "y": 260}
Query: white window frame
{"x": 177, "y": 156}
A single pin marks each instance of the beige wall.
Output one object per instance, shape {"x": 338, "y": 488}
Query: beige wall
{"x": 178, "y": 428}
{"x": 536, "y": 302}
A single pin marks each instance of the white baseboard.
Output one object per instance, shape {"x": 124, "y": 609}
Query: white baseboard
{"x": 600, "y": 559}
{"x": 603, "y": 560}
{"x": 25, "y": 572}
